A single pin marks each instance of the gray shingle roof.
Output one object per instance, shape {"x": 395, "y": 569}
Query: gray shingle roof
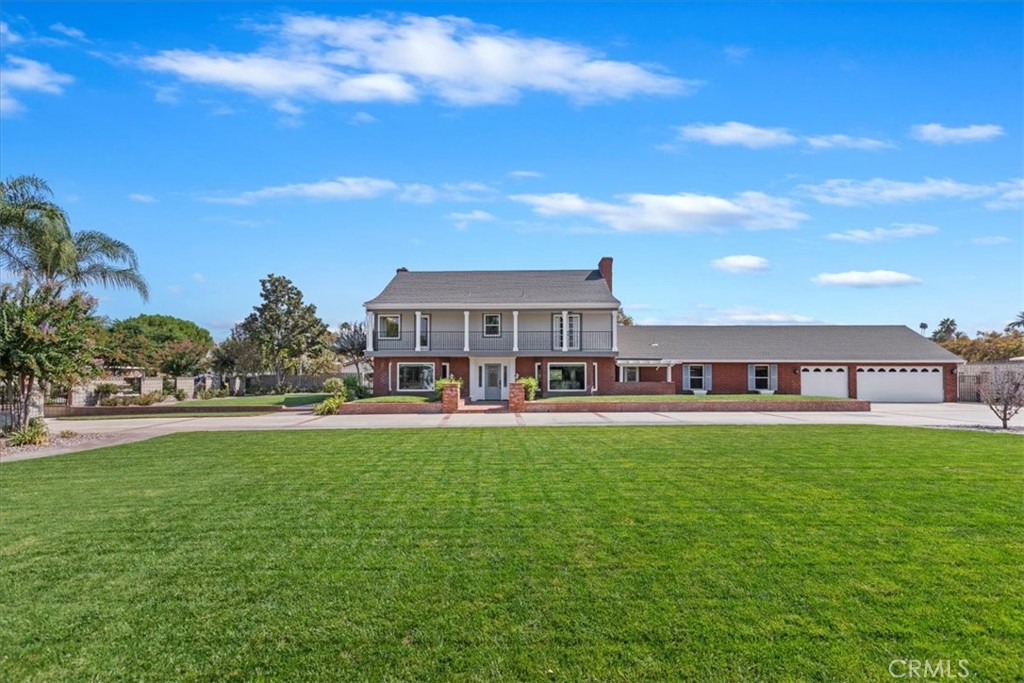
{"x": 780, "y": 343}
{"x": 547, "y": 288}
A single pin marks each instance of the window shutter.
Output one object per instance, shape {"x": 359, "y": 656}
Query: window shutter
{"x": 774, "y": 377}
{"x": 686, "y": 377}
{"x": 750, "y": 378}
{"x": 707, "y": 377}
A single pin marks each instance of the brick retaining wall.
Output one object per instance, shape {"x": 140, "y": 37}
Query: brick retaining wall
{"x": 390, "y": 408}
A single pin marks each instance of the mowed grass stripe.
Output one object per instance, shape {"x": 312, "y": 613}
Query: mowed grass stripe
{"x": 704, "y": 553}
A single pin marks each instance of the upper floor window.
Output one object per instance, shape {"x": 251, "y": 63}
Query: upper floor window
{"x": 492, "y": 324}
{"x": 390, "y": 327}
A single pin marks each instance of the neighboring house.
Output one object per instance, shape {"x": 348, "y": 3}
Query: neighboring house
{"x": 490, "y": 327}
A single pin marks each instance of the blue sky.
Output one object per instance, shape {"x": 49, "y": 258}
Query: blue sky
{"x": 743, "y": 163}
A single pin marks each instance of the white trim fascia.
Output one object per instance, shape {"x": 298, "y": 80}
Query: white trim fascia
{"x": 648, "y": 361}
{"x": 495, "y": 307}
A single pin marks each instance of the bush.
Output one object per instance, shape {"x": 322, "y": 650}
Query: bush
{"x": 180, "y": 395}
{"x": 330, "y": 406}
{"x": 335, "y": 386}
{"x": 67, "y": 433}
{"x": 284, "y": 388}
{"x": 354, "y": 388}
{"x": 440, "y": 384}
{"x": 149, "y": 399}
{"x": 207, "y": 394}
{"x": 530, "y": 387}
{"x": 104, "y": 389}
{"x": 35, "y": 433}
{"x": 168, "y": 385}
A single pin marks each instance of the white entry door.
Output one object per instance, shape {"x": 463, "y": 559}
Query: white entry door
{"x": 894, "y": 384}
{"x": 818, "y": 380}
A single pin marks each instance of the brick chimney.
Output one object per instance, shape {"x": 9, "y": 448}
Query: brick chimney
{"x": 605, "y": 266}
{"x": 403, "y": 269}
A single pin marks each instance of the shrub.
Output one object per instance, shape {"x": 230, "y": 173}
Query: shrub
{"x": 168, "y": 385}
{"x": 440, "y": 384}
{"x": 284, "y": 388}
{"x": 330, "y": 406}
{"x": 104, "y": 389}
{"x": 180, "y": 395}
{"x": 335, "y": 386}
{"x": 67, "y": 433}
{"x": 111, "y": 401}
{"x": 35, "y": 433}
{"x": 207, "y": 394}
{"x": 354, "y": 388}
{"x": 530, "y": 387}
{"x": 149, "y": 399}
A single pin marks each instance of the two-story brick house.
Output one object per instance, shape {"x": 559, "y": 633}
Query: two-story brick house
{"x": 560, "y": 326}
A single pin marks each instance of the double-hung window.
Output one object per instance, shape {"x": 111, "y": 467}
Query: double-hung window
{"x": 492, "y": 324}
{"x": 630, "y": 374}
{"x": 762, "y": 377}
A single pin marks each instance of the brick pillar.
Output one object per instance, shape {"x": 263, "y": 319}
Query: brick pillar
{"x": 450, "y": 398}
{"x": 516, "y": 397}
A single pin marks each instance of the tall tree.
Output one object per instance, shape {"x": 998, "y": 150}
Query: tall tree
{"x": 923, "y": 327}
{"x": 44, "y": 339}
{"x": 351, "y": 345}
{"x": 284, "y": 327}
{"x": 146, "y": 341}
{"x": 37, "y": 241}
{"x": 236, "y": 355}
{"x": 945, "y": 330}
{"x": 1017, "y": 324}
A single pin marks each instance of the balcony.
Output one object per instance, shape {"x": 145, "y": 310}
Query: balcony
{"x": 529, "y": 342}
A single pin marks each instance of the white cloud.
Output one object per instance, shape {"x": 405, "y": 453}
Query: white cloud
{"x": 418, "y": 193}
{"x": 753, "y": 316}
{"x": 69, "y": 31}
{"x": 28, "y": 75}
{"x": 847, "y": 192}
{"x": 682, "y": 212}
{"x": 142, "y": 198}
{"x": 361, "y": 118}
{"x": 736, "y": 133}
{"x": 1010, "y": 195}
{"x": 897, "y": 231}
{"x": 741, "y": 263}
{"x": 938, "y": 134}
{"x": 287, "y": 108}
{"x": 198, "y": 277}
{"x": 522, "y": 175}
{"x": 464, "y": 219}
{"x": 342, "y": 188}
{"x": 991, "y": 241}
{"x": 755, "y": 137}
{"x": 736, "y": 53}
{"x": 873, "y": 278}
{"x": 840, "y": 141}
{"x": 403, "y": 58}
{"x": 7, "y": 36}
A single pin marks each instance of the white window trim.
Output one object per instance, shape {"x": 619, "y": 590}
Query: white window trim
{"x": 398, "y": 377}
{"x": 625, "y": 374}
{"x": 446, "y": 371}
{"x": 703, "y": 379}
{"x": 484, "y": 327}
{"x": 574, "y": 335}
{"x": 548, "y": 379}
{"x": 382, "y": 326}
{"x": 423, "y": 344}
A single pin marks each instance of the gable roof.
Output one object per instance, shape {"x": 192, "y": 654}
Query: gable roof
{"x": 526, "y": 288}
{"x": 780, "y": 343}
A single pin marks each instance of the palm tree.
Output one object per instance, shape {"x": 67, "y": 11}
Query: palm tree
{"x": 924, "y": 328}
{"x": 945, "y": 330}
{"x": 1017, "y": 324}
{"x": 36, "y": 240}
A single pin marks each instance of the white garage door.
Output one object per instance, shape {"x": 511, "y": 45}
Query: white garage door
{"x": 821, "y": 380}
{"x": 884, "y": 384}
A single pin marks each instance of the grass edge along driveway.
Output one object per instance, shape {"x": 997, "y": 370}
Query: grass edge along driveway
{"x": 627, "y": 553}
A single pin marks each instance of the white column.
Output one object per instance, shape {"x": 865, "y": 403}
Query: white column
{"x": 668, "y": 374}
{"x": 465, "y": 330}
{"x": 369, "y": 331}
{"x": 419, "y": 322}
{"x": 515, "y": 331}
{"x": 615, "y": 331}
{"x": 565, "y": 331}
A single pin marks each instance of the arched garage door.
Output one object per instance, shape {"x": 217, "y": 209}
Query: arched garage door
{"x": 818, "y": 380}
{"x": 885, "y": 384}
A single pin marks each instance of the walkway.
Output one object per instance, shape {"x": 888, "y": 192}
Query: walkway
{"x": 139, "y": 429}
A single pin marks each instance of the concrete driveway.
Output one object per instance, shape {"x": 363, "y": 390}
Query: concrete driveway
{"x": 138, "y": 429}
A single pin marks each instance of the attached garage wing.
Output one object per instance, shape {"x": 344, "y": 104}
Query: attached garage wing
{"x": 900, "y": 384}
{"x": 824, "y": 380}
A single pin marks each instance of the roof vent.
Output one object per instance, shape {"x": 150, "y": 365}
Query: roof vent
{"x": 403, "y": 269}
{"x": 654, "y": 344}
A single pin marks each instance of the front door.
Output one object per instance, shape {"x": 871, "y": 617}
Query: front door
{"x": 492, "y": 382}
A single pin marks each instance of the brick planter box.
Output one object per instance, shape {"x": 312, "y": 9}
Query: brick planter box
{"x": 698, "y": 407}
{"x": 155, "y": 410}
{"x": 390, "y": 408}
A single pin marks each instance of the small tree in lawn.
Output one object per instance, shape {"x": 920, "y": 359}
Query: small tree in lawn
{"x": 1003, "y": 393}
{"x": 351, "y": 345}
{"x": 284, "y": 327}
{"x": 237, "y": 355}
{"x": 185, "y": 357}
{"x": 44, "y": 339}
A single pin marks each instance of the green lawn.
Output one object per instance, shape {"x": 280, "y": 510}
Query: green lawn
{"x": 643, "y": 398}
{"x": 287, "y": 400}
{"x": 777, "y": 553}
{"x": 396, "y": 399}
